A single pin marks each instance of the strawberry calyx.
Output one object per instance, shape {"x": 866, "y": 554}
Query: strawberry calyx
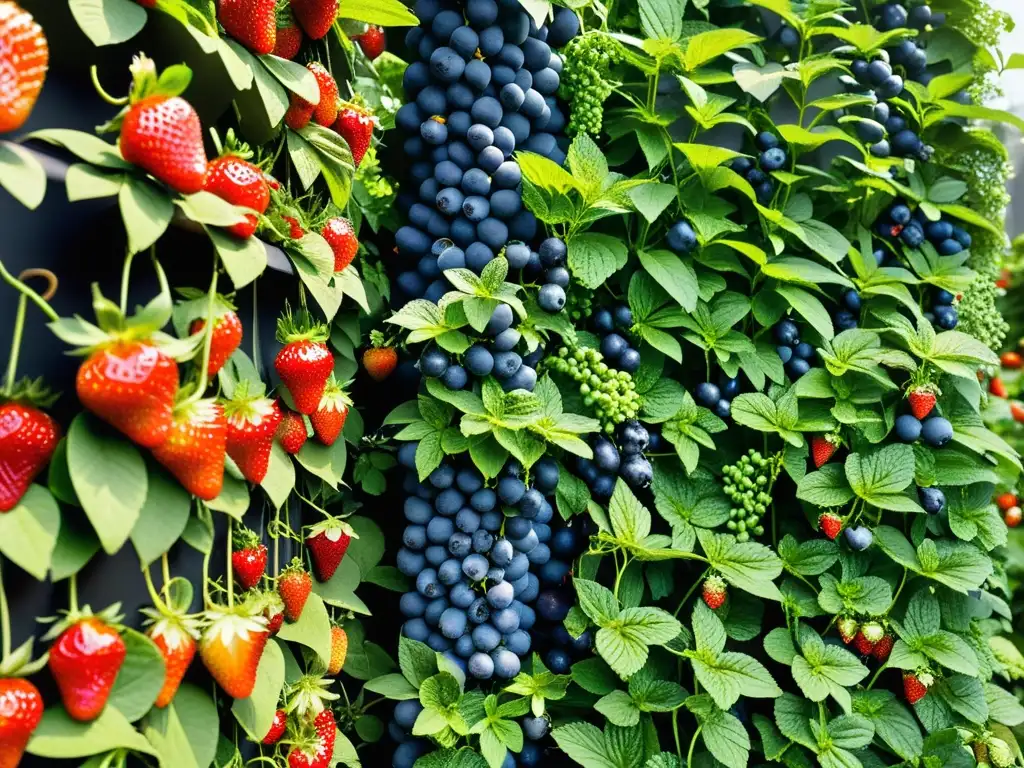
{"x": 31, "y": 392}
{"x": 146, "y": 83}
{"x": 232, "y": 146}
{"x": 300, "y": 327}
{"x": 334, "y": 397}
{"x": 224, "y": 624}
{"x": 333, "y": 528}
{"x": 244, "y": 409}
{"x": 19, "y": 663}
{"x": 243, "y": 538}
{"x": 111, "y": 616}
{"x": 307, "y": 697}
{"x": 174, "y": 628}
{"x": 379, "y": 341}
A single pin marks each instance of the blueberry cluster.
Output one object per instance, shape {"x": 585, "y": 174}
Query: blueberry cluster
{"x": 625, "y": 460}
{"x": 718, "y": 397}
{"x": 495, "y": 357}
{"x": 772, "y": 157}
{"x": 796, "y": 355}
{"x": 613, "y": 325}
{"x": 943, "y": 313}
{"x": 411, "y": 748}
{"x": 891, "y": 16}
{"x": 848, "y": 315}
{"x": 881, "y": 127}
{"x": 610, "y": 392}
{"x": 748, "y": 484}
{"x": 551, "y": 254}
{"x": 472, "y": 562}
{"x": 935, "y": 430}
{"x": 559, "y": 649}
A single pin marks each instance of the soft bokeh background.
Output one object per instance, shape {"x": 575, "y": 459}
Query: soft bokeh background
{"x": 1012, "y": 83}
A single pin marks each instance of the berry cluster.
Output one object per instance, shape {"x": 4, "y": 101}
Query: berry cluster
{"x": 718, "y": 397}
{"x": 613, "y": 326}
{"x": 472, "y": 563}
{"x": 943, "y": 313}
{"x": 849, "y": 315}
{"x": 748, "y": 484}
{"x": 627, "y": 460}
{"x": 610, "y": 392}
{"x": 913, "y": 228}
{"x": 586, "y": 82}
{"x": 772, "y": 157}
{"x": 923, "y": 423}
{"x": 796, "y": 355}
{"x": 498, "y": 359}
{"x": 551, "y": 256}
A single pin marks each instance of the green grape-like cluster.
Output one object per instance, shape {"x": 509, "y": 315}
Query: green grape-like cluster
{"x": 579, "y": 303}
{"x": 586, "y": 82}
{"x": 369, "y": 175}
{"x": 611, "y": 393}
{"x": 979, "y": 315}
{"x": 982, "y": 24}
{"x": 748, "y": 484}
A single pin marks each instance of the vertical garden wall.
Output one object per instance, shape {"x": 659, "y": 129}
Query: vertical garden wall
{"x": 500, "y": 383}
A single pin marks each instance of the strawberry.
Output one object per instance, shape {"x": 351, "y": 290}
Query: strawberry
{"x": 339, "y": 650}
{"x": 1017, "y": 411}
{"x": 922, "y": 400}
{"x": 28, "y": 438}
{"x": 252, "y": 423}
{"x": 848, "y": 627}
{"x": 272, "y": 182}
{"x": 340, "y": 235}
{"x": 304, "y": 363}
{"x": 131, "y": 385}
{"x": 294, "y": 586}
{"x": 85, "y": 661}
{"x": 274, "y": 613}
{"x": 372, "y": 41}
{"x": 823, "y": 448}
{"x": 231, "y": 647}
{"x": 227, "y": 336}
{"x": 161, "y": 132}
{"x": 830, "y": 524}
{"x": 326, "y": 731}
{"x": 24, "y": 57}
{"x": 233, "y": 178}
{"x": 883, "y": 647}
{"x": 1006, "y": 500}
{"x": 380, "y": 359}
{"x": 1011, "y": 360}
{"x": 249, "y": 558}
{"x": 873, "y": 631}
{"x": 176, "y": 639}
{"x": 1012, "y": 517}
{"x": 295, "y": 227}
{"x": 997, "y": 387}
{"x": 315, "y": 16}
{"x": 292, "y": 432}
{"x": 326, "y": 111}
{"x": 194, "y": 449}
{"x": 714, "y": 592}
{"x": 253, "y": 23}
{"x": 328, "y": 542}
{"x": 355, "y": 124}
{"x": 862, "y": 644}
{"x": 289, "y": 34}
{"x": 277, "y": 728}
{"x": 299, "y": 113}
{"x": 329, "y": 417}
{"x": 21, "y": 709}
{"x": 916, "y": 685}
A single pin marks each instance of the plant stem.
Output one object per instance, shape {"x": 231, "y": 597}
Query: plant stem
{"x": 211, "y": 299}
{"x": 5, "y": 619}
{"x": 898, "y": 590}
{"x": 165, "y": 568}
{"x": 151, "y": 588}
{"x": 693, "y": 743}
{"x": 19, "y": 329}
{"x": 675, "y": 734}
{"x": 126, "y": 271}
{"x": 231, "y": 574}
{"x": 38, "y": 300}
{"x": 877, "y": 673}
{"x": 255, "y": 330}
{"x": 690, "y": 591}
{"x": 73, "y": 593}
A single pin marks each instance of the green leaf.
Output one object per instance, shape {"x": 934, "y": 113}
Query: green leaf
{"x": 651, "y": 200}
{"x": 313, "y": 629}
{"x": 619, "y": 708}
{"x": 196, "y": 716}
{"x": 386, "y": 13}
{"x": 417, "y": 661}
{"x": 28, "y": 533}
{"x": 293, "y": 76}
{"x": 340, "y": 590}
{"x": 673, "y": 275}
{"x": 825, "y": 488}
{"x": 662, "y": 19}
{"x": 728, "y": 676}
{"x": 162, "y": 518}
{"x": 109, "y": 477}
{"x": 706, "y": 46}
{"x": 807, "y": 558}
{"x": 22, "y": 175}
{"x": 244, "y": 259}
{"x": 960, "y": 566}
{"x": 108, "y": 22}
{"x": 256, "y": 713}
{"x": 335, "y": 160}
{"x": 147, "y": 212}
{"x": 141, "y": 676}
{"x": 58, "y": 737}
{"x": 758, "y": 411}
{"x": 825, "y": 670}
{"x": 593, "y": 257}
{"x": 723, "y": 734}
{"x": 623, "y": 642}
{"x": 614, "y": 748}
{"x": 748, "y": 565}
{"x": 893, "y": 723}
{"x": 865, "y": 595}
{"x": 881, "y": 477}
{"x": 809, "y": 307}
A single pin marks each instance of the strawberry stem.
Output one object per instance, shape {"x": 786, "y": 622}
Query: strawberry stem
{"x": 255, "y": 331}
{"x": 211, "y": 308}
{"x": 38, "y": 300}
{"x": 126, "y": 271}
{"x": 113, "y": 101}
{"x": 231, "y": 570}
{"x": 73, "y": 593}
{"x": 5, "y": 619}
{"x": 19, "y": 329}
{"x": 151, "y": 588}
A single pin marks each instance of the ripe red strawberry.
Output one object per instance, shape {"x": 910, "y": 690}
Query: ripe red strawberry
{"x": 372, "y": 41}
{"x": 355, "y": 124}
{"x": 24, "y": 57}
{"x": 1006, "y": 500}
{"x": 274, "y": 613}
{"x": 1011, "y": 360}
{"x": 714, "y": 592}
{"x": 883, "y": 647}
{"x": 299, "y": 113}
{"x": 340, "y": 235}
{"x": 997, "y": 387}
{"x": 315, "y": 16}
{"x": 252, "y": 423}
{"x": 1012, "y": 517}
{"x": 131, "y": 385}
{"x": 916, "y": 685}
{"x": 1017, "y": 411}
{"x": 848, "y": 627}
{"x": 922, "y": 400}
{"x": 328, "y": 542}
{"x": 862, "y": 644}
{"x": 831, "y": 524}
{"x": 380, "y": 362}
{"x": 339, "y": 650}
{"x": 326, "y": 731}
{"x": 231, "y": 647}
{"x": 329, "y": 417}
{"x": 277, "y": 728}
{"x": 194, "y": 450}
{"x": 295, "y": 231}
{"x": 227, "y": 336}
{"x": 249, "y": 558}
{"x": 292, "y": 432}
{"x": 304, "y": 363}
{"x": 21, "y": 709}
{"x": 326, "y": 111}
{"x": 85, "y": 661}
{"x": 294, "y": 586}
{"x": 28, "y": 438}
{"x": 289, "y": 34}
{"x": 176, "y": 639}
{"x": 823, "y": 448}
{"x": 240, "y": 183}
{"x": 253, "y": 23}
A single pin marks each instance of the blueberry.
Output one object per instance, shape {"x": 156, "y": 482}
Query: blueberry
{"x": 531, "y": 503}
{"x": 480, "y": 665}
{"x": 937, "y": 431}
{"x": 845, "y": 320}
{"x": 932, "y": 500}
{"x": 519, "y": 641}
{"x": 505, "y": 203}
{"x": 407, "y": 711}
{"x": 440, "y": 529}
{"x": 681, "y": 237}
{"x": 707, "y": 394}
{"x": 417, "y": 510}
{"x": 558, "y": 661}
{"x": 730, "y": 387}
{"x": 766, "y": 140}
{"x": 949, "y": 247}
{"x": 478, "y": 256}
{"x": 507, "y": 177}
{"x": 527, "y": 543}
{"x": 912, "y": 235}
{"x": 891, "y": 16}
{"x": 518, "y": 568}
{"x": 797, "y": 367}
{"x": 462, "y": 595}
{"x": 475, "y": 207}
{"x": 479, "y": 611}
{"x": 479, "y": 137}
{"x": 602, "y": 486}
{"x": 449, "y": 502}
{"x": 506, "y": 664}
{"x": 789, "y": 37}
{"x": 938, "y": 231}
{"x": 553, "y": 605}
{"x": 859, "y": 68}
{"x": 491, "y": 40}
{"x": 629, "y": 360}
{"x": 612, "y": 346}
{"x": 962, "y": 236}
{"x": 905, "y": 142}
{"x": 412, "y": 605}
{"x": 554, "y": 572}
{"x": 944, "y": 297}
{"x": 506, "y": 364}
{"x": 552, "y": 252}
{"x": 483, "y": 541}
{"x": 501, "y": 319}
{"x": 563, "y": 28}
{"x": 878, "y": 72}
{"x": 804, "y": 350}
{"x": 414, "y": 537}
{"x": 742, "y": 165}
{"x": 773, "y": 159}
{"x": 859, "y": 538}
{"x": 946, "y": 318}
{"x": 500, "y": 595}
{"x": 453, "y": 623}
{"x": 785, "y": 353}
{"x": 433, "y": 131}
{"x": 483, "y": 500}
{"x": 455, "y": 377}
{"x": 852, "y": 300}
{"x": 786, "y": 332}
{"x": 478, "y": 360}
{"x": 510, "y": 489}
{"x": 475, "y": 567}
{"x": 606, "y": 455}
{"x": 880, "y": 149}
{"x": 504, "y": 140}
{"x": 433, "y": 362}
{"x": 428, "y": 585}
{"x": 869, "y": 131}
{"x": 551, "y": 298}
{"x": 633, "y": 437}
{"x": 900, "y": 214}
{"x": 637, "y": 472}
{"x": 416, "y": 629}
{"x": 723, "y": 409}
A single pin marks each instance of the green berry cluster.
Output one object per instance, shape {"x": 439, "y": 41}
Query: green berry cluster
{"x": 748, "y": 484}
{"x": 585, "y": 79}
{"x": 979, "y": 315}
{"x": 611, "y": 393}
{"x": 579, "y": 303}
